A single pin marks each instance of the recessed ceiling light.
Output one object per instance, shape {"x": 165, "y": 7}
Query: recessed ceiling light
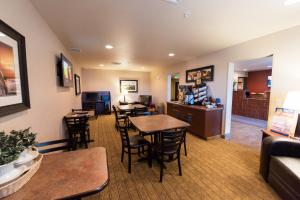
{"x": 245, "y": 70}
{"x": 175, "y": 2}
{"x": 143, "y": 67}
{"x": 291, "y": 2}
{"x": 187, "y": 14}
{"x": 270, "y": 66}
{"x": 101, "y": 65}
{"x": 171, "y": 54}
{"x": 2, "y": 34}
{"x": 109, "y": 46}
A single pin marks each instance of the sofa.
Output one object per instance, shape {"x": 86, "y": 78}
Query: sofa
{"x": 280, "y": 165}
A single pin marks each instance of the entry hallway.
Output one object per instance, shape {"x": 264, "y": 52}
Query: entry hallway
{"x": 214, "y": 169}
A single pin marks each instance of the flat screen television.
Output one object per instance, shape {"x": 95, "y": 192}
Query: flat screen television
{"x": 65, "y": 69}
{"x": 269, "y": 81}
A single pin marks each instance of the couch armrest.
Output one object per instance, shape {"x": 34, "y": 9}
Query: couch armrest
{"x": 277, "y": 146}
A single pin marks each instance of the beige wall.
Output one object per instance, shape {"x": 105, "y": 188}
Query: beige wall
{"x": 49, "y": 103}
{"x": 284, "y": 45}
{"x": 109, "y": 80}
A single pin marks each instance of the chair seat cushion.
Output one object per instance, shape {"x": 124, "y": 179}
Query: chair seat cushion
{"x": 137, "y": 141}
{"x": 167, "y": 150}
{"x": 284, "y": 176}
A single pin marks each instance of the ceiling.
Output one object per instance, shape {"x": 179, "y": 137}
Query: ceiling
{"x": 144, "y": 32}
{"x": 254, "y": 64}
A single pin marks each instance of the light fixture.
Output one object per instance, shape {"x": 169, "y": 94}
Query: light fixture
{"x": 245, "y": 70}
{"x": 270, "y": 66}
{"x": 187, "y": 14}
{"x": 101, "y": 65}
{"x": 109, "y": 46}
{"x": 175, "y": 2}
{"x": 291, "y": 2}
{"x": 171, "y": 54}
{"x": 2, "y": 34}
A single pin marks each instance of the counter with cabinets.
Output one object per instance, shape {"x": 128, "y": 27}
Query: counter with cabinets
{"x": 205, "y": 122}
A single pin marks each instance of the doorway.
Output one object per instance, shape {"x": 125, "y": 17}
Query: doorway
{"x": 174, "y": 89}
{"x": 252, "y": 82}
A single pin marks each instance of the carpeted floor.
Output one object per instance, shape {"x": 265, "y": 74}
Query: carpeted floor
{"x": 215, "y": 169}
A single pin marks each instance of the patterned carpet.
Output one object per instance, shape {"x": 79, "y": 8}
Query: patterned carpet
{"x": 215, "y": 169}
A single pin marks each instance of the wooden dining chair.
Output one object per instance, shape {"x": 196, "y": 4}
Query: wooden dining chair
{"x": 123, "y": 118}
{"x": 168, "y": 148}
{"x": 130, "y": 144}
{"x": 56, "y": 145}
{"x": 78, "y": 126}
{"x": 186, "y": 118}
{"x": 140, "y": 111}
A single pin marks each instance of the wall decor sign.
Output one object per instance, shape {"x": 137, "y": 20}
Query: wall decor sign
{"x": 14, "y": 91}
{"x": 130, "y": 86}
{"x": 203, "y": 73}
{"x": 77, "y": 84}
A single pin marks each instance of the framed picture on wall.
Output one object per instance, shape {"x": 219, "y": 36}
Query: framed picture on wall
{"x": 77, "y": 84}
{"x": 130, "y": 86}
{"x": 14, "y": 91}
{"x": 203, "y": 73}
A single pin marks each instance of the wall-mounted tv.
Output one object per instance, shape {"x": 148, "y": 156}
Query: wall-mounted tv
{"x": 269, "y": 81}
{"x": 65, "y": 69}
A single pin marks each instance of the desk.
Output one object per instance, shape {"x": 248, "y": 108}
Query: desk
{"x": 67, "y": 175}
{"x": 156, "y": 123}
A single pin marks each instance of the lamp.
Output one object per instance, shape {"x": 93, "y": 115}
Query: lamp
{"x": 124, "y": 92}
{"x": 292, "y": 101}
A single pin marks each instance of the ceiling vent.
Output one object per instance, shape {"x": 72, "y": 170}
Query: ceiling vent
{"x": 75, "y": 50}
{"x": 175, "y": 2}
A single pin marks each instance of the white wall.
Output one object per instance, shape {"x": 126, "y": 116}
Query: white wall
{"x": 49, "y": 103}
{"x": 284, "y": 45}
{"x": 109, "y": 80}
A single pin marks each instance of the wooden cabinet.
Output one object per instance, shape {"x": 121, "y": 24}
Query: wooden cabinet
{"x": 205, "y": 123}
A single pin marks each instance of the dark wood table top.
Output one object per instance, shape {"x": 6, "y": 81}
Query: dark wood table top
{"x": 154, "y": 123}
{"x": 130, "y": 106}
{"x": 89, "y": 113}
{"x": 67, "y": 175}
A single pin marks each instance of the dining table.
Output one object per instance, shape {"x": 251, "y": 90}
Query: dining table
{"x": 88, "y": 113}
{"x": 130, "y": 107}
{"x": 157, "y": 123}
{"x": 67, "y": 175}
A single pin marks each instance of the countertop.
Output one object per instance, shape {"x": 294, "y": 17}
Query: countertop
{"x": 197, "y": 107}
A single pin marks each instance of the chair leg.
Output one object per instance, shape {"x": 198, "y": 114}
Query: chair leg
{"x": 179, "y": 164}
{"x": 184, "y": 143}
{"x": 129, "y": 161}
{"x": 139, "y": 152}
{"x": 161, "y": 170}
{"x": 122, "y": 156}
{"x": 149, "y": 156}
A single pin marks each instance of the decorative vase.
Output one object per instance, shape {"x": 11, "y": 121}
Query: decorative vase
{"x": 6, "y": 168}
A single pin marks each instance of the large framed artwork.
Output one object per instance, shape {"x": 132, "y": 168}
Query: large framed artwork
{"x": 130, "y": 86}
{"x": 77, "y": 84}
{"x": 203, "y": 73}
{"x": 14, "y": 92}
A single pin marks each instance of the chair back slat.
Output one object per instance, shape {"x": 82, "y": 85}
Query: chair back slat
{"x": 76, "y": 124}
{"x": 124, "y": 136}
{"x": 171, "y": 140}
